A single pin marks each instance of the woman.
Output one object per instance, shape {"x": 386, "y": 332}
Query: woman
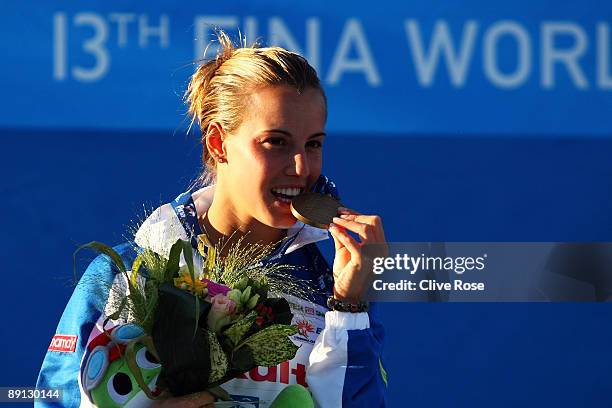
{"x": 262, "y": 113}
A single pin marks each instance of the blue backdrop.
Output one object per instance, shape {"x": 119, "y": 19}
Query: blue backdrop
{"x": 454, "y": 122}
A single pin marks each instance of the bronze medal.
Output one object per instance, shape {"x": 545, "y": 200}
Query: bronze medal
{"x": 315, "y": 209}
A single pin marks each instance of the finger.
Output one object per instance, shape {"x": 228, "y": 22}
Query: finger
{"x": 373, "y": 220}
{"x": 344, "y": 210}
{"x": 365, "y": 231}
{"x": 348, "y": 242}
{"x": 337, "y": 243}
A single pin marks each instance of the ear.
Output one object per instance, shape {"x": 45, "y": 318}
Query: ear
{"x": 214, "y": 142}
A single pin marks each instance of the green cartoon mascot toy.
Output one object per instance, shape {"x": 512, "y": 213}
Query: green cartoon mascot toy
{"x": 121, "y": 368}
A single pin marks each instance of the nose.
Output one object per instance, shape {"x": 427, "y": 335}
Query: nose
{"x": 299, "y": 166}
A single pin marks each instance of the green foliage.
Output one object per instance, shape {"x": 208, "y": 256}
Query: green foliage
{"x": 218, "y": 360}
{"x": 383, "y": 373}
{"x": 172, "y": 267}
{"x": 272, "y": 345}
{"x": 154, "y": 264}
{"x": 242, "y": 269}
{"x": 130, "y": 358}
{"x": 151, "y": 295}
{"x": 188, "y": 255}
{"x": 243, "y": 299}
{"x": 238, "y": 329}
{"x": 135, "y": 268}
{"x": 136, "y": 301}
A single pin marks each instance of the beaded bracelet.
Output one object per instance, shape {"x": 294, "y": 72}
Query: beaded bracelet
{"x": 342, "y": 306}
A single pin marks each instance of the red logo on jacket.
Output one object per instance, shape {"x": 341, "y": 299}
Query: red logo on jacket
{"x": 64, "y": 343}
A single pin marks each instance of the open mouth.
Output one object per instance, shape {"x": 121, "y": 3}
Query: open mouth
{"x": 286, "y": 194}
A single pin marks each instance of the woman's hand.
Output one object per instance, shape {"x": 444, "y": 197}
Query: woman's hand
{"x": 202, "y": 399}
{"x": 352, "y": 269}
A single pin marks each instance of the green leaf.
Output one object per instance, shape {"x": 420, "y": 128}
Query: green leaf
{"x": 208, "y": 252}
{"x": 155, "y": 265}
{"x": 101, "y": 248}
{"x": 135, "y": 269}
{"x": 130, "y": 357}
{"x": 235, "y": 295}
{"x": 246, "y": 295}
{"x": 252, "y": 301}
{"x": 218, "y": 360}
{"x": 383, "y": 372}
{"x": 188, "y": 255}
{"x": 172, "y": 267}
{"x": 272, "y": 345}
{"x": 238, "y": 329}
{"x": 152, "y": 298}
{"x": 242, "y": 284}
{"x": 203, "y": 243}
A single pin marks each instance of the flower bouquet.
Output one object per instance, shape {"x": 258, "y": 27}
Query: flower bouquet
{"x": 193, "y": 329}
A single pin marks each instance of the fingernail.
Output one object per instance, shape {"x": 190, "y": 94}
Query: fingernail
{"x": 332, "y": 227}
{"x": 336, "y": 219}
{"x": 345, "y": 216}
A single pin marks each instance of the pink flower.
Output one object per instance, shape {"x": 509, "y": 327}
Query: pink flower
{"x": 215, "y": 288}
{"x": 221, "y": 312}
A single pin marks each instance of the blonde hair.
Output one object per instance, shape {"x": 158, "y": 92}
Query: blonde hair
{"x": 218, "y": 90}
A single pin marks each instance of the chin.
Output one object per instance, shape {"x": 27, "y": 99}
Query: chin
{"x": 279, "y": 215}
{"x": 280, "y": 219}
{"x": 282, "y": 222}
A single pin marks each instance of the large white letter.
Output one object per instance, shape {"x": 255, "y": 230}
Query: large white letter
{"x": 441, "y": 42}
{"x": 122, "y": 20}
{"x": 94, "y": 46}
{"x": 279, "y": 35}
{"x": 145, "y": 31}
{"x": 203, "y": 24}
{"x": 60, "y": 41}
{"x": 353, "y": 34}
{"x": 568, "y": 57}
{"x": 523, "y": 65}
{"x": 604, "y": 80}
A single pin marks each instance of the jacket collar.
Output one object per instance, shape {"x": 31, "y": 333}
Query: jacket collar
{"x": 178, "y": 220}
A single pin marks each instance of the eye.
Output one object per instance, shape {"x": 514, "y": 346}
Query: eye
{"x": 315, "y": 144}
{"x": 119, "y": 387}
{"x": 146, "y": 359}
{"x": 275, "y": 141}
{"x": 96, "y": 367}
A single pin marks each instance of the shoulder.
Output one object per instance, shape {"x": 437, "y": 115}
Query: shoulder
{"x": 103, "y": 267}
{"x": 160, "y": 230}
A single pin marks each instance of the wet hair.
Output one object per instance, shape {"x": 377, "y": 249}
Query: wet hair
{"x": 218, "y": 90}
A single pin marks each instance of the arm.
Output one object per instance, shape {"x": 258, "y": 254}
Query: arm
{"x": 346, "y": 362}
{"x": 60, "y": 368}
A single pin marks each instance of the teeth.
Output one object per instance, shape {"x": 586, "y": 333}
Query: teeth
{"x": 291, "y": 192}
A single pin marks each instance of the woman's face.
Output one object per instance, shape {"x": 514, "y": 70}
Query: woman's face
{"x": 275, "y": 154}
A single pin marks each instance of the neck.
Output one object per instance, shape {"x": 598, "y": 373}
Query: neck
{"x": 224, "y": 227}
